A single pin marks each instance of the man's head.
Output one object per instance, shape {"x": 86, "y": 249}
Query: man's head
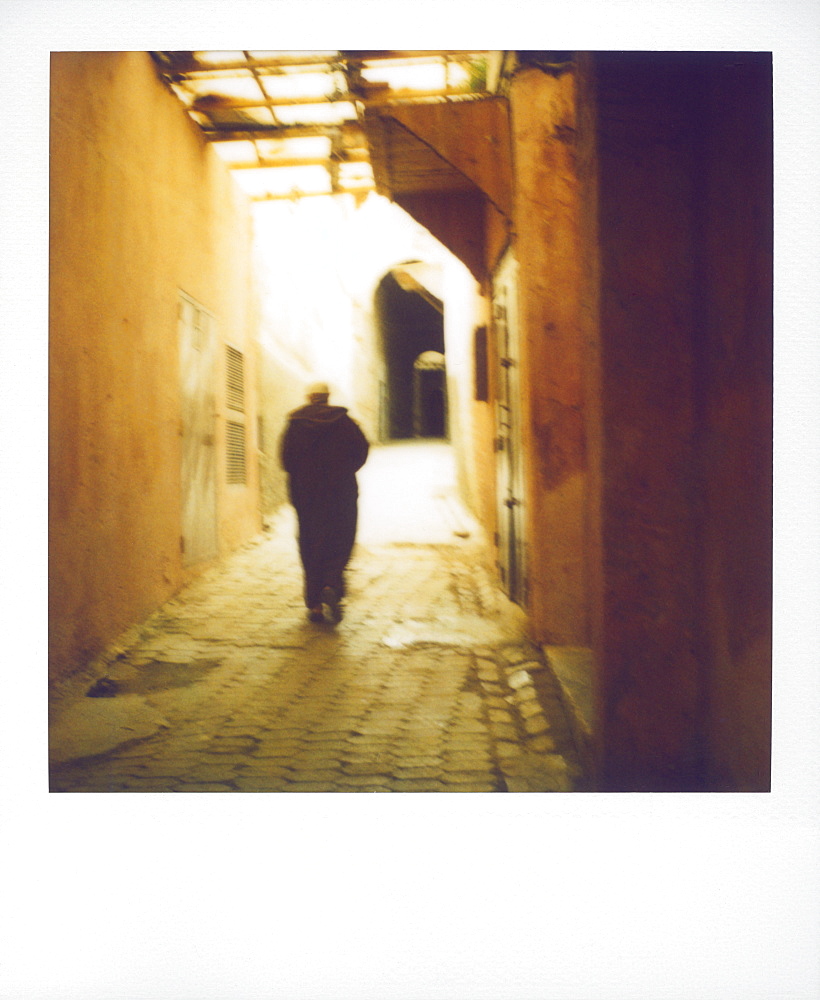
{"x": 318, "y": 392}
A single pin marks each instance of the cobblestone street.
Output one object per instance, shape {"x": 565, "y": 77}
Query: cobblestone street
{"x": 428, "y": 684}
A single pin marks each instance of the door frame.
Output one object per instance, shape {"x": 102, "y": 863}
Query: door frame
{"x": 199, "y": 523}
{"x": 509, "y": 452}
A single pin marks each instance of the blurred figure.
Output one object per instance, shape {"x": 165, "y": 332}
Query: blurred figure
{"x": 322, "y": 449}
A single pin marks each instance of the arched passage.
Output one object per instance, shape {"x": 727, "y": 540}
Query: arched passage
{"x": 410, "y": 323}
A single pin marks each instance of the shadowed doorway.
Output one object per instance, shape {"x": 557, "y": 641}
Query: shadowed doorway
{"x": 410, "y": 322}
{"x": 430, "y": 396}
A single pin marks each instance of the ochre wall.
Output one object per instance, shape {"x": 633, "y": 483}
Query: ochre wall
{"x": 140, "y": 209}
{"x": 684, "y": 363}
{"x": 546, "y": 224}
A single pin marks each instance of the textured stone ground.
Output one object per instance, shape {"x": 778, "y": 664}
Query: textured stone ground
{"x": 428, "y": 684}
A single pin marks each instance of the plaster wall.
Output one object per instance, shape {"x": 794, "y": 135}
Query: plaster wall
{"x": 471, "y": 421}
{"x": 140, "y": 209}
{"x": 546, "y": 223}
{"x": 684, "y": 352}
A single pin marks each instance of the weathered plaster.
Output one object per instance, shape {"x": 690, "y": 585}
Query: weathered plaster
{"x": 140, "y": 209}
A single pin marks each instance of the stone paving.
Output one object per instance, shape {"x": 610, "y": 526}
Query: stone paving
{"x": 428, "y": 684}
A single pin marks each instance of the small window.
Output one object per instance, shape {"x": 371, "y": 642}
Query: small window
{"x": 236, "y": 452}
{"x": 235, "y": 380}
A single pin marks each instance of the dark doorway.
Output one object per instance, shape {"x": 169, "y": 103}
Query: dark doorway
{"x": 411, "y": 325}
{"x": 429, "y": 396}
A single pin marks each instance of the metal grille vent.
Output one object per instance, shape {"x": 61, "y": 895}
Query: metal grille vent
{"x": 235, "y": 380}
{"x": 235, "y": 452}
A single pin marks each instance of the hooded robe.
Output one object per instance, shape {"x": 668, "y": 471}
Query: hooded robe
{"x": 322, "y": 449}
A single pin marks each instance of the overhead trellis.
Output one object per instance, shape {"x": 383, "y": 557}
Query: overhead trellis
{"x": 292, "y": 124}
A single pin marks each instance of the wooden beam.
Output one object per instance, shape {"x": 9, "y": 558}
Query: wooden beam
{"x": 178, "y": 65}
{"x": 201, "y": 104}
{"x": 259, "y": 84}
{"x": 295, "y": 196}
{"x": 354, "y": 156}
{"x": 473, "y": 137}
{"x": 188, "y": 65}
{"x": 236, "y": 132}
{"x": 410, "y": 56}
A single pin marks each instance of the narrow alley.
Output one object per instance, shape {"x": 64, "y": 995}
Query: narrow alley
{"x": 427, "y": 685}
{"x": 560, "y": 263}
{"x": 542, "y": 282}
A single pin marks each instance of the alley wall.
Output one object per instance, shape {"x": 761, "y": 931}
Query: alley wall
{"x": 642, "y": 204}
{"x": 735, "y": 390}
{"x": 547, "y": 208}
{"x": 141, "y": 209}
{"x": 681, "y": 429}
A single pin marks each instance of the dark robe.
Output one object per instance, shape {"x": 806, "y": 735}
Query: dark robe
{"x": 322, "y": 449}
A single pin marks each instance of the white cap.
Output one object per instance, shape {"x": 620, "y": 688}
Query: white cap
{"x": 318, "y": 389}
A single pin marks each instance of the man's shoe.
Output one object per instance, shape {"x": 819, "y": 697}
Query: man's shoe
{"x": 316, "y": 614}
{"x": 330, "y": 604}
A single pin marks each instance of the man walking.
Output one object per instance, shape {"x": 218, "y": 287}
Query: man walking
{"x": 322, "y": 449}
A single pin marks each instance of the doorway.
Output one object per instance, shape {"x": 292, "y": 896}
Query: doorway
{"x": 509, "y": 458}
{"x": 410, "y": 325}
{"x": 196, "y": 366}
{"x": 430, "y": 396}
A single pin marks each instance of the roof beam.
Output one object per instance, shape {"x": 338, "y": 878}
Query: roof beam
{"x": 312, "y": 194}
{"x": 234, "y": 132}
{"x": 177, "y": 65}
{"x": 262, "y": 90}
{"x": 400, "y": 56}
{"x": 388, "y": 97}
{"x": 358, "y": 156}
